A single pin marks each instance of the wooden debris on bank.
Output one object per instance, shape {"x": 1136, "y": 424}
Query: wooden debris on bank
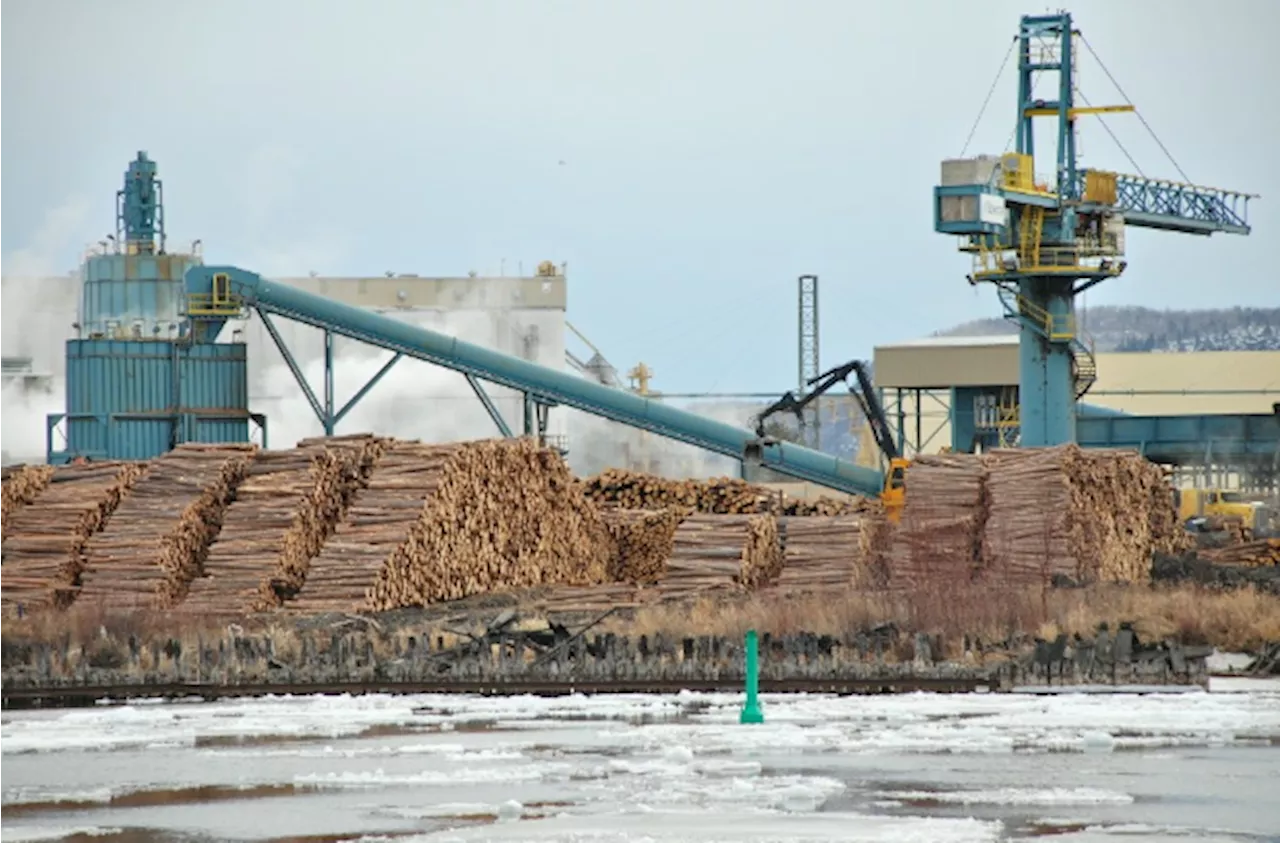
{"x": 720, "y": 496}
{"x": 1085, "y": 516}
{"x": 566, "y": 599}
{"x": 22, "y": 485}
{"x": 938, "y": 540}
{"x": 1257, "y": 553}
{"x": 837, "y": 551}
{"x": 43, "y": 544}
{"x": 155, "y": 543}
{"x": 722, "y": 554}
{"x": 644, "y": 540}
{"x": 498, "y": 514}
{"x": 284, "y": 509}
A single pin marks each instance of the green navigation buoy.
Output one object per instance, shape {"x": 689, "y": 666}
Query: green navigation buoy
{"x": 751, "y": 712}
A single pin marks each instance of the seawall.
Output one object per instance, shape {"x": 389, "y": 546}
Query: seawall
{"x": 556, "y": 661}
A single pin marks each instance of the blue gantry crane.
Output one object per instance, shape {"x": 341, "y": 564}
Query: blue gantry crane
{"x": 1042, "y": 242}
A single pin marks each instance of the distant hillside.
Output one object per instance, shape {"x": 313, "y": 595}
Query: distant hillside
{"x": 1144, "y": 329}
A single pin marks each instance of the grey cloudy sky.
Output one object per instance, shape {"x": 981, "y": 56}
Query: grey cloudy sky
{"x": 712, "y": 150}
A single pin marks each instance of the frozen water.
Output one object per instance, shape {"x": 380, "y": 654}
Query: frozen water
{"x": 661, "y": 768}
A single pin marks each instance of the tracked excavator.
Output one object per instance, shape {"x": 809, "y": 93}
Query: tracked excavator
{"x": 893, "y": 494}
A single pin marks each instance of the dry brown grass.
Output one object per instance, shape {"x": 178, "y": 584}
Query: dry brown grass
{"x": 1237, "y": 620}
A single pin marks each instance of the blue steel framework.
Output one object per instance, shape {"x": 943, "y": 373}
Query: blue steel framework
{"x": 139, "y": 379}
{"x": 216, "y": 294}
{"x": 807, "y": 357}
{"x": 1246, "y": 445}
{"x": 1042, "y": 244}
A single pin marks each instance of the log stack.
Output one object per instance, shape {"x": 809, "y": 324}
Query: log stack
{"x": 722, "y": 554}
{"x": 377, "y": 521}
{"x": 939, "y": 538}
{"x": 22, "y": 485}
{"x": 644, "y": 540}
{"x": 1085, "y": 516}
{"x": 571, "y": 599}
{"x": 155, "y": 543}
{"x": 498, "y": 514}
{"x": 720, "y": 496}
{"x": 1257, "y": 553}
{"x": 837, "y": 551}
{"x": 43, "y": 544}
{"x": 283, "y": 511}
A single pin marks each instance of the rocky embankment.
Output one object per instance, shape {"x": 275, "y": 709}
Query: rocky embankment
{"x": 350, "y": 654}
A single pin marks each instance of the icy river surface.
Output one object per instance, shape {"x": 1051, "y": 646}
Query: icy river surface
{"x": 920, "y": 767}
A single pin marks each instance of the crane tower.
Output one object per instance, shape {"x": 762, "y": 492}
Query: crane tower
{"x": 1043, "y": 240}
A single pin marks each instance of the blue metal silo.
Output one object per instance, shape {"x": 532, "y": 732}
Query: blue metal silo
{"x": 139, "y": 380}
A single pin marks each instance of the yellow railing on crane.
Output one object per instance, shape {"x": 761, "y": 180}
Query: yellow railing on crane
{"x": 219, "y": 301}
{"x": 1008, "y": 417}
{"x": 1058, "y": 327}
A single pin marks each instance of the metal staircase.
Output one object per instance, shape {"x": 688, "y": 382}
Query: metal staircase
{"x": 1055, "y": 329}
{"x": 1086, "y": 365}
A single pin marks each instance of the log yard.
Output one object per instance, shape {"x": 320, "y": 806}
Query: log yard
{"x": 1007, "y": 526}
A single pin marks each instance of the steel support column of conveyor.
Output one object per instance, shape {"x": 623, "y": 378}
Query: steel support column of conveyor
{"x": 324, "y": 411}
{"x": 539, "y": 383}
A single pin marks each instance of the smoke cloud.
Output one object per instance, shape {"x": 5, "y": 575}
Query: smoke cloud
{"x": 39, "y": 300}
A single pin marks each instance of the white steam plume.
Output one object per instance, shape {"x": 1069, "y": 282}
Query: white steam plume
{"x": 40, "y": 295}
{"x": 414, "y": 400}
{"x": 417, "y": 400}
{"x": 596, "y": 444}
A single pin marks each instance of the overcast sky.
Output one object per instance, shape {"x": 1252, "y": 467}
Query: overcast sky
{"x": 688, "y": 158}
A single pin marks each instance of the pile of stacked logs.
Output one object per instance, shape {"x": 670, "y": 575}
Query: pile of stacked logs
{"x": 22, "y": 485}
{"x": 284, "y": 510}
{"x": 722, "y": 554}
{"x": 493, "y": 515}
{"x": 643, "y": 541}
{"x": 376, "y": 522}
{"x": 721, "y": 496}
{"x": 939, "y": 539}
{"x": 155, "y": 543}
{"x": 1257, "y": 553}
{"x": 43, "y": 544}
{"x": 833, "y": 552}
{"x": 1083, "y": 516}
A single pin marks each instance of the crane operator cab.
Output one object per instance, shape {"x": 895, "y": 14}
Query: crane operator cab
{"x": 894, "y": 496}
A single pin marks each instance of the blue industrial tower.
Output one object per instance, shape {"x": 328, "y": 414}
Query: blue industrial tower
{"x": 139, "y": 379}
{"x": 1043, "y": 241}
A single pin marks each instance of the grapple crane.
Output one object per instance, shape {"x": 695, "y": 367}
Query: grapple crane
{"x": 893, "y": 493}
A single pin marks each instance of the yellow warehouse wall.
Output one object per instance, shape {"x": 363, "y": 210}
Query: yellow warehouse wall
{"x": 1122, "y": 377}
{"x": 1119, "y": 374}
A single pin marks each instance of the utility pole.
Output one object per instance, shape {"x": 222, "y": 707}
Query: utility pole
{"x": 810, "y": 422}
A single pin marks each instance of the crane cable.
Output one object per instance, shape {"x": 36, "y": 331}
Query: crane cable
{"x": 994, "y": 83}
{"x": 1132, "y": 162}
{"x": 1129, "y": 101}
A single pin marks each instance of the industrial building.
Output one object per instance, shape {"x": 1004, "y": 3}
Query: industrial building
{"x": 522, "y": 316}
{"x": 959, "y": 393}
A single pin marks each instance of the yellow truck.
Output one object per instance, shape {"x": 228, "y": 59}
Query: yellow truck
{"x": 1254, "y": 515}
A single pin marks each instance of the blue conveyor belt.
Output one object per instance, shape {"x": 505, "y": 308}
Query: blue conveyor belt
{"x": 545, "y": 384}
